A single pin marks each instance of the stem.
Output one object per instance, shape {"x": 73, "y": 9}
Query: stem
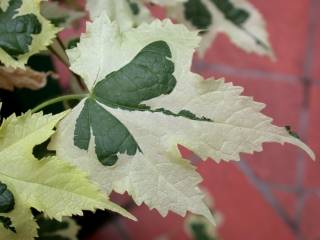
{"x": 61, "y": 43}
{"x": 58, "y": 99}
{"x": 58, "y": 56}
{"x": 80, "y": 82}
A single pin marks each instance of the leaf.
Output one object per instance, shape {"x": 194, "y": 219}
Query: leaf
{"x": 33, "y": 33}
{"x": 60, "y": 16}
{"x": 238, "y": 19}
{"x": 158, "y": 102}
{"x": 50, "y": 229}
{"x": 6, "y": 199}
{"x": 49, "y": 185}
{"x": 127, "y": 13}
{"x": 18, "y": 78}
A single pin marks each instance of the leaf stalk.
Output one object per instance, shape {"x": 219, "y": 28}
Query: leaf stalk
{"x": 58, "y": 99}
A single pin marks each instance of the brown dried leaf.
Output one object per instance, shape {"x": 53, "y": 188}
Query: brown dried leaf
{"x": 18, "y": 78}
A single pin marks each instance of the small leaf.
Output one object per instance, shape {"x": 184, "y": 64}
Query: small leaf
{"x": 59, "y": 15}
{"x": 238, "y": 19}
{"x": 23, "y": 31}
{"x": 16, "y": 31}
{"x": 128, "y": 13}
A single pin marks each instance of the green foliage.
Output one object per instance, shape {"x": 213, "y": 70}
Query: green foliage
{"x": 23, "y": 32}
{"x": 197, "y": 13}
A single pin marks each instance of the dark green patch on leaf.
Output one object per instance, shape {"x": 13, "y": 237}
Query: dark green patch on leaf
{"x": 134, "y": 7}
{"x": 16, "y": 32}
{"x": 7, "y": 224}
{"x": 236, "y": 15}
{"x": 6, "y": 199}
{"x": 111, "y": 136}
{"x": 50, "y": 225}
{"x": 198, "y": 14}
{"x": 58, "y": 21}
{"x": 73, "y": 43}
{"x": 199, "y": 232}
{"x": 291, "y": 132}
{"x": 182, "y": 113}
{"x": 41, "y": 151}
{"x": 147, "y": 76}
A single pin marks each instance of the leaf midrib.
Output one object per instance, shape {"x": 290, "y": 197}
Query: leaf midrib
{"x": 46, "y": 186}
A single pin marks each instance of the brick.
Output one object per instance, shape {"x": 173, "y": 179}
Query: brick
{"x": 315, "y": 42}
{"x": 151, "y": 225}
{"x": 106, "y": 232}
{"x": 287, "y": 201}
{"x": 312, "y": 178}
{"x": 310, "y": 218}
{"x": 246, "y": 214}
